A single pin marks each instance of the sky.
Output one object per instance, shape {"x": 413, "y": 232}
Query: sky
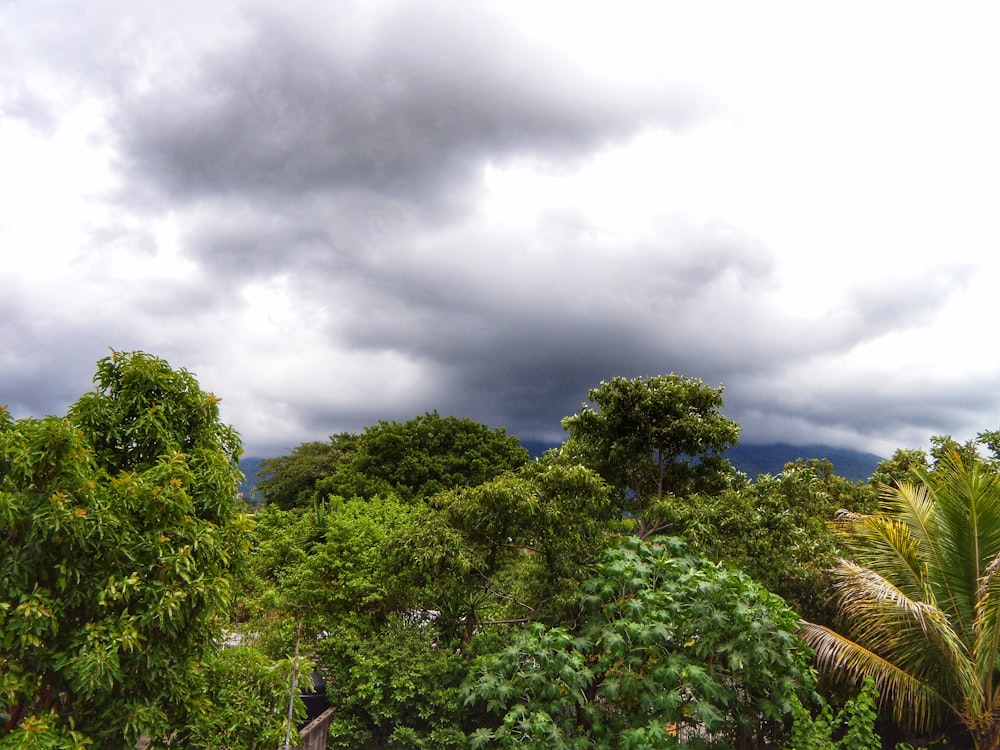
{"x": 339, "y": 213}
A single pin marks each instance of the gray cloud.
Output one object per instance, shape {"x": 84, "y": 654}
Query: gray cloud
{"x": 318, "y": 175}
{"x": 411, "y": 112}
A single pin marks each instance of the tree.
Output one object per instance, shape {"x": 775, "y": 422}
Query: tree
{"x": 776, "y": 530}
{"x": 397, "y": 596}
{"x": 513, "y": 549}
{"x": 921, "y": 598}
{"x": 335, "y": 569}
{"x": 431, "y": 453}
{"x": 671, "y": 648}
{"x": 290, "y": 481}
{"x": 120, "y": 533}
{"x": 654, "y": 438}
{"x": 904, "y": 465}
{"x": 410, "y": 460}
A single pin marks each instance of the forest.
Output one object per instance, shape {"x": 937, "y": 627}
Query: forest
{"x": 627, "y": 589}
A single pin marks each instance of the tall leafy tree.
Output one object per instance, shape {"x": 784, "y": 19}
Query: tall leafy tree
{"x": 656, "y": 439}
{"x": 411, "y": 460}
{"x": 290, "y": 481}
{"x": 513, "y": 549}
{"x": 120, "y": 530}
{"x": 921, "y": 597}
{"x": 431, "y": 453}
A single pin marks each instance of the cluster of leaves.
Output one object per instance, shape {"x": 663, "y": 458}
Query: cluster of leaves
{"x": 776, "y": 529}
{"x": 671, "y": 647}
{"x": 410, "y": 460}
{"x": 851, "y": 728}
{"x": 655, "y": 439}
{"x": 395, "y": 595}
{"x": 120, "y": 531}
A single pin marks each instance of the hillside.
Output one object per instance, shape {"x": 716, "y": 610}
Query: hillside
{"x": 754, "y": 460}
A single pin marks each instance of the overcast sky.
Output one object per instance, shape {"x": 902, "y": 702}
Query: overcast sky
{"x": 340, "y": 212}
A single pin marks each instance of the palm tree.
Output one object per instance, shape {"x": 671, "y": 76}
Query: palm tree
{"x": 921, "y": 598}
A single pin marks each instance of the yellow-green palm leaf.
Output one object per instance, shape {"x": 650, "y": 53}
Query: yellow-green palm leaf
{"x": 921, "y": 597}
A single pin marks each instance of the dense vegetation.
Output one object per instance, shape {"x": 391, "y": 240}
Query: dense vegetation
{"x": 120, "y": 539}
{"x": 626, "y": 590}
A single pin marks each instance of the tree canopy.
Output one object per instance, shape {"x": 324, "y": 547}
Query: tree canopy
{"x": 412, "y": 459}
{"x": 671, "y": 648}
{"x": 120, "y": 535}
{"x": 654, "y": 438}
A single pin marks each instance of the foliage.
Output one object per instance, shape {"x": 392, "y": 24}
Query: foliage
{"x": 290, "y": 481}
{"x": 334, "y": 568}
{"x": 776, "y": 530}
{"x": 394, "y": 687}
{"x": 120, "y": 531}
{"x": 242, "y": 704}
{"x": 907, "y": 465}
{"x": 672, "y": 647}
{"x": 410, "y": 460}
{"x": 514, "y": 548}
{"x": 654, "y": 438}
{"x": 329, "y": 567}
{"x": 921, "y": 597}
{"x": 853, "y": 728}
{"x": 431, "y": 453}
{"x": 396, "y": 596}
{"x": 904, "y": 465}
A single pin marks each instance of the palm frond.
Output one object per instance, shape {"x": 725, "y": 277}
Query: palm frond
{"x": 915, "y": 704}
{"x": 986, "y": 647}
{"x": 915, "y": 635}
{"x": 967, "y": 504}
{"x": 922, "y": 596}
{"x": 886, "y": 544}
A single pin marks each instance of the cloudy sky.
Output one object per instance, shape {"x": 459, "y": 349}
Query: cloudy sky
{"x": 340, "y": 212}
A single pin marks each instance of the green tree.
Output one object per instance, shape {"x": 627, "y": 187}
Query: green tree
{"x": 396, "y": 596}
{"x": 921, "y": 597}
{"x": 120, "y": 531}
{"x": 290, "y": 481}
{"x": 411, "y": 460}
{"x": 904, "y": 465}
{"x": 513, "y": 549}
{"x": 671, "y": 648}
{"x": 655, "y": 439}
{"x": 364, "y": 618}
{"x": 429, "y": 454}
{"x": 776, "y": 530}
{"x": 242, "y": 702}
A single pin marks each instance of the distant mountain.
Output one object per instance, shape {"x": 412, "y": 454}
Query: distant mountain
{"x": 753, "y": 460}
{"x": 249, "y": 467}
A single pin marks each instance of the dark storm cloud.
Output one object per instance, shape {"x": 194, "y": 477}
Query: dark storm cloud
{"x": 412, "y": 111}
{"x": 321, "y": 176}
{"x": 38, "y": 380}
{"x": 847, "y": 406}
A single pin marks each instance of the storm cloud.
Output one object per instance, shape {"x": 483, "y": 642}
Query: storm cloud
{"x": 335, "y": 216}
